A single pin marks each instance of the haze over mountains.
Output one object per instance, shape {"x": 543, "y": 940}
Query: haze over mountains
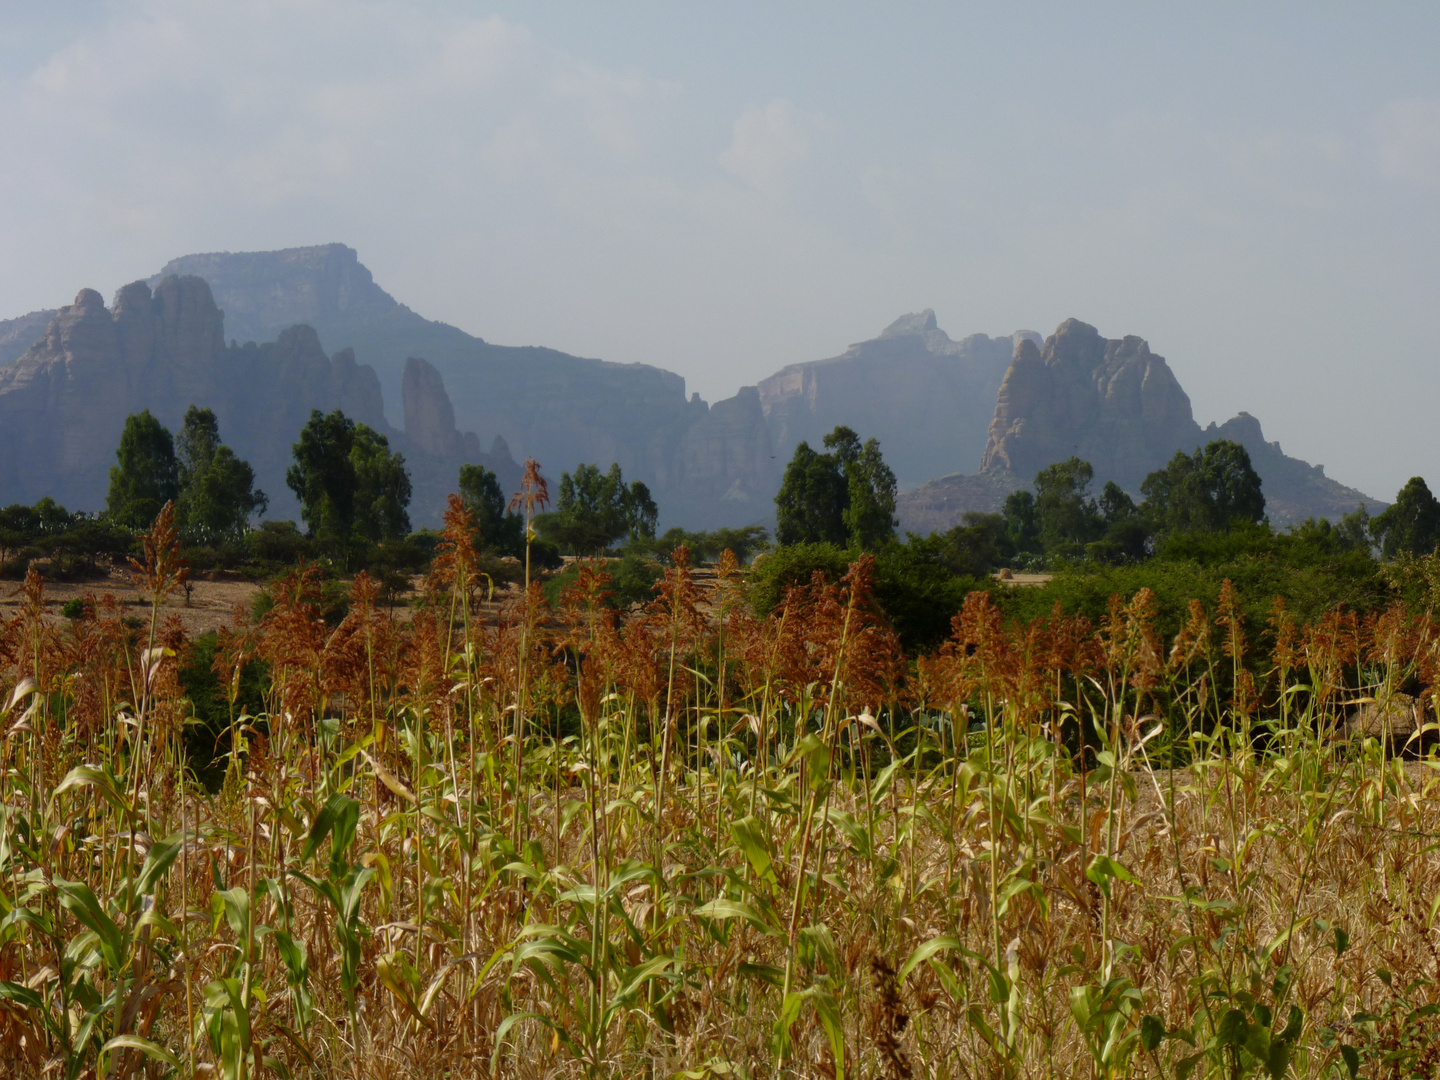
{"x": 310, "y": 328}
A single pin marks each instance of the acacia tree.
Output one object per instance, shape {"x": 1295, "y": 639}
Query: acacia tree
{"x": 145, "y": 475}
{"x": 1411, "y": 526}
{"x": 217, "y": 489}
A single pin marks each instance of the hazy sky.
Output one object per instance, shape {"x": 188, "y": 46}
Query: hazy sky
{"x": 722, "y": 189}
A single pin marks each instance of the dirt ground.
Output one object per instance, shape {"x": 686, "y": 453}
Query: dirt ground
{"x": 210, "y": 605}
{"x": 1022, "y": 580}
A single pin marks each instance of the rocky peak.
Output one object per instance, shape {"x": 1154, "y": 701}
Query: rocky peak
{"x": 919, "y": 322}
{"x": 429, "y": 416}
{"x": 82, "y": 332}
{"x": 1113, "y": 403}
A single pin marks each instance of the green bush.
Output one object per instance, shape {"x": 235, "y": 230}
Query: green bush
{"x": 632, "y": 581}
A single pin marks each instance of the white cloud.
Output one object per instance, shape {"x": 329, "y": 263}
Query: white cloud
{"x": 768, "y": 143}
{"x": 1408, "y": 133}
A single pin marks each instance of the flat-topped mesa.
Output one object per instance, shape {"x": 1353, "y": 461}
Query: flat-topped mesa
{"x": 1111, "y": 402}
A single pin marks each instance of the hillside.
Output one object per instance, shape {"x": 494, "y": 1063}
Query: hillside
{"x": 939, "y": 406}
{"x": 1117, "y": 405}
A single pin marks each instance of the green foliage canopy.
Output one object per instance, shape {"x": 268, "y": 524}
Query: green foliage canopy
{"x": 1411, "y": 526}
{"x": 145, "y": 475}
{"x": 350, "y": 485}
{"x": 1211, "y": 490}
{"x": 1065, "y": 517}
{"x": 217, "y": 489}
{"x": 595, "y": 510}
{"x": 843, "y": 496}
{"x": 495, "y": 529}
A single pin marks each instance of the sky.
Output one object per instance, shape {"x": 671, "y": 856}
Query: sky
{"x": 725, "y": 188}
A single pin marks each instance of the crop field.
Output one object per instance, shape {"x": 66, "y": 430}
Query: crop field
{"x": 690, "y": 841}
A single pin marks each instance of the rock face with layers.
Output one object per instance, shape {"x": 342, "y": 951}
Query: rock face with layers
{"x": 1117, "y": 405}
{"x": 1112, "y": 403}
{"x": 928, "y": 399}
{"x": 938, "y": 406}
{"x": 562, "y": 409}
{"x": 64, "y": 403}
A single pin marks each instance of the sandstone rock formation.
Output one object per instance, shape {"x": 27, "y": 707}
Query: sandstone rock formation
{"x": 18, "y": 334}
{"x": 1294, "y": 489}
{"x": 559, "y": 408}
{"x": 928, "y": 399}
{"x": 938, "y": 406}
{"x": 1117, "y": 405}
{"x": 429, "y": 416}
{"x": 64, "y": 402}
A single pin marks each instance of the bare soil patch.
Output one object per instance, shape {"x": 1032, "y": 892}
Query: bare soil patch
{"x": 210, "y": 605}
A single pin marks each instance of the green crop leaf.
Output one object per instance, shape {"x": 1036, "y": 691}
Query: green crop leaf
{"x": 1352, "y": 1060}
{"x": 721, "y": 908}
{"x": 926, "y": 950}
{"x": 150, "y": 1049}
{"x": 337, "y": 819}
{"x": 1102, "y": 869}
{"x": 1152, "y": 1033}
{"x": 21, "y": 995}
{"x": 157, "y": 863}
{"x": 1232, "y": 1028}
{"x": 76, "y": 898}
{"x": 749, "y": 834}
{"x": 105, "y": 785}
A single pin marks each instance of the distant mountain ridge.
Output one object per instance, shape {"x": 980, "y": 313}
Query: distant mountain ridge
{"x": 1117, "y": 405}
{"x": 938, "y": 406}
{"x": 928, "y": 399}
{"x": 707, "y": 467}
{"x": 64, "y": 402}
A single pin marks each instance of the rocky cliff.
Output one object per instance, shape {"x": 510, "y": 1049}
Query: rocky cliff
{"x": 928, "y": 399}
{"x": 18, "y": 334}
{"x": 938, "y": 406}
{"x": 1113, "y": 403}
{"x": 559, "y": 408}
{"x": 1117, "y": 405}
{"x": 64, "y": 402}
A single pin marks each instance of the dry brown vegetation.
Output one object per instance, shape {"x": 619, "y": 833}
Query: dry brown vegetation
{"x": 688, "y": 841}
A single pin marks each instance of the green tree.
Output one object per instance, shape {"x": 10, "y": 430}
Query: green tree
{"x": 813, "y": 498}
{"x": 1411, "y": 526}
{"x": 217, "y": 489}
{"x": 350, "y": 486}
{"x": 495, "y": 528}
{"x": 845, "y": 496}
{"x": 1127, "y": 534}
{"x": 1065, "y": 516}
{"x": 870, "y": 488}
{"x": 1022, "y": 527}
{"x": 595, "y": 510}
{"x": 145, "y": 476}
{"x": 382, "y": 487}
{"x": 975, "y": 546}
{"x": 1212, "y": 490}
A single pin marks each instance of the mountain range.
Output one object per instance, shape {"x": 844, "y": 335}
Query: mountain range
{"x": 263, "y": 337}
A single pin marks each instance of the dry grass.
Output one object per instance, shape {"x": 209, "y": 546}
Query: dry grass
{"x": 691, "y": 842}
